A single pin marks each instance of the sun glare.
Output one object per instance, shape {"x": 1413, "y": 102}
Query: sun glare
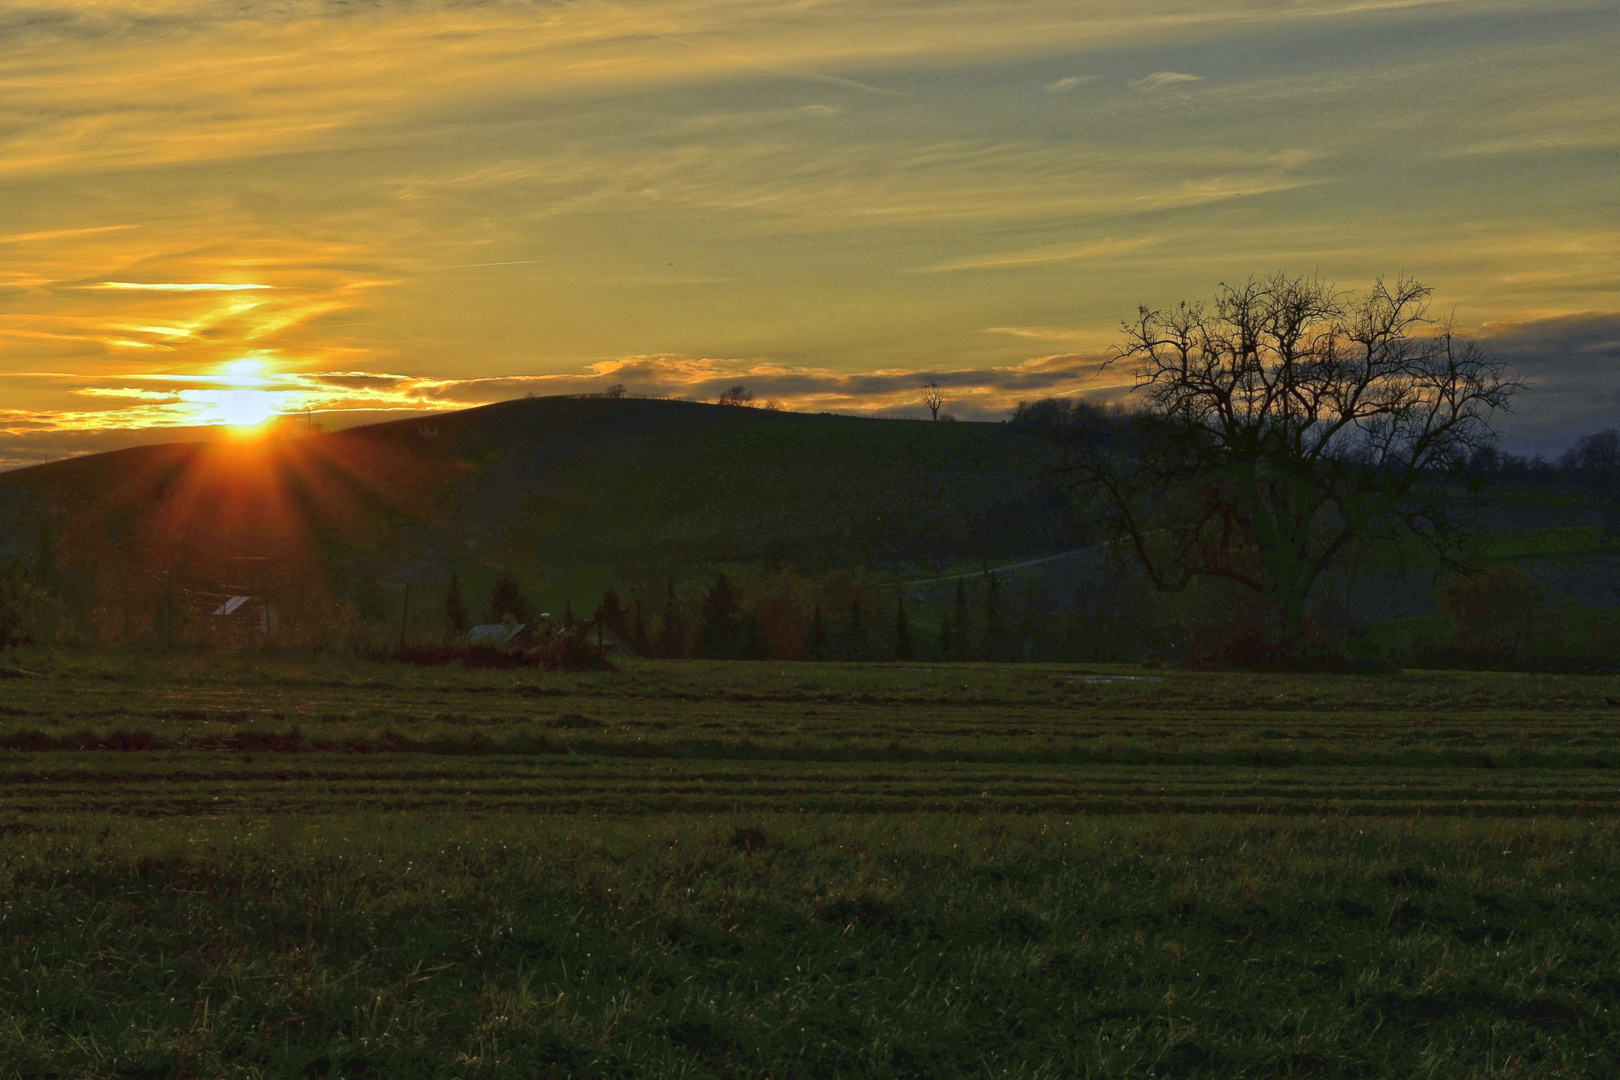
{"x": 242, "y": 408}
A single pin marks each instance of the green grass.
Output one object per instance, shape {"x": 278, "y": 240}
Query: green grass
{"x": 269, "y": 866}
{"x": 1497, "y": 545}
{"x": 1567, "y": 632}
{"x": 810, "y": 946}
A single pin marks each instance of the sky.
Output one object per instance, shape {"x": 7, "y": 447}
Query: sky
{"x": 211, "y": 210}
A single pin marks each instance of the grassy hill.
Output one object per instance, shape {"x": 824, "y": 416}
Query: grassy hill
{"x": 570, "y": 493}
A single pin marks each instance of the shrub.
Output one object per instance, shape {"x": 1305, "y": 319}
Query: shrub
{"x": 1494, "y": 610}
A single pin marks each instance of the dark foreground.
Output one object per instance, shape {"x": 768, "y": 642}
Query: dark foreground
{"x": 744, "y": 871}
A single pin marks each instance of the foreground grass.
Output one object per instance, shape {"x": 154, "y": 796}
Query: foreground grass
{"x": 810, "y": 946}
{"x": 264, "y": 866}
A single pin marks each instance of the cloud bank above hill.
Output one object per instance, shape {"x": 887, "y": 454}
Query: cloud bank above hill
{"x": 839, "y": 200}
{"x": 1571, "y": 366}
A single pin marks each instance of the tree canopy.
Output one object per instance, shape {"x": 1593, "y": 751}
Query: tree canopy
{"x": 1276, "y": 427}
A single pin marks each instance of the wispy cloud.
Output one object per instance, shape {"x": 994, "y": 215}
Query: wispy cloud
{"x": 1160, "y": 79}
{"x": 1068, "y": 82}
{"x": 175, "y": 286}
{"x": 1051, "y": 253}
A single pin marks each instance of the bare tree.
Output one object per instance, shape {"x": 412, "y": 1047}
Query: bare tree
{"x": 736, "y": 395}
{"x": 614, "y": 391}
{"x": 933, "y": 396}
{"x": 1280, "y": 426}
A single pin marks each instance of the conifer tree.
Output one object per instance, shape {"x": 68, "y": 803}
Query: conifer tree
{"x": 638, "y": 639}
{"x": 816, "y": 645}
{"x": 902, "y": 633}
{"x": 507, "y": 601}
{"x": 672, "y": 631}
{"x": 993, "y": 631}
{"x": 455, "y": 607}
{"x": 721, "y": 637}
{"x": 963, "y": 627}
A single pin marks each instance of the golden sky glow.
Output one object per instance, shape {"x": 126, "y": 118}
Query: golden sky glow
{"x": 426, "y": 205}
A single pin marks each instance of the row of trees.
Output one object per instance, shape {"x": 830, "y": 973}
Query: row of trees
{"x": 780, "y": 615}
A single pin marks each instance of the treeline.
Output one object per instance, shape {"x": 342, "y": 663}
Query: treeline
{"x": 785, "y": 615}
{"x": 1591, "y": 466}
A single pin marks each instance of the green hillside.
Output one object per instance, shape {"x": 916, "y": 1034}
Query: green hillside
{"x": 569, "y": 493}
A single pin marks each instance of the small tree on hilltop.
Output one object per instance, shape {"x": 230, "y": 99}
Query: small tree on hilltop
{"x": 933, "y": 396}
{"x": 736, "y": 395}
{"x": 1281, "y": 425}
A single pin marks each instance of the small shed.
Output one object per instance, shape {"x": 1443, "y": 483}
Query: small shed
{"x": 496, "y": 635}
{"x": 247, "y": 613}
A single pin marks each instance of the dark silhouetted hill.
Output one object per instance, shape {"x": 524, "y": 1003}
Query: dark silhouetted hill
{"x": 614, "y": 488}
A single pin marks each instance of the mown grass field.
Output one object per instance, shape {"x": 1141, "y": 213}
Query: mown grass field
{"x": 280, "y": 867}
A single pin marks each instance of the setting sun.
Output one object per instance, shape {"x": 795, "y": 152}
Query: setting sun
{"x": 238, "y": 408}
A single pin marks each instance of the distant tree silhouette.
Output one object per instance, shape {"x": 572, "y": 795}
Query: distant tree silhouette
{"x": 1595, "y": 462}
{"x": 816, "y": 643}
{"x": 963, "y": 628}
{"x": 455, "y": 608}
{"x": 638, "y": 634}
{"x": 614, "y": 391}
{"x": 1283, "y": 424}
{"x": 736, "y": 395}
{"x": 855, "y": 634}
{"x": 612, "y": 616}
{"x": 994, "y": 647}
{"x": 902, "y": 633}
{"x": 672, "y": 629}
{"x": 506, "y": 600}
{"x": 13, "y": 587}
{"x": 370, "y": 601}
{"x": 947, "y": 641}
{"x": 722, "y": 635}
{"x": 568, "y": 615}
{"x": 933, "y": 396}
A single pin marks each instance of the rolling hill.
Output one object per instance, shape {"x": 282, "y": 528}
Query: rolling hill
{"x": 569, "y": 493}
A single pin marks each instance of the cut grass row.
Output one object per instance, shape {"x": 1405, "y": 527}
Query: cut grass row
{"x": 858, "y": 712}
{"x": 193, "y": 784}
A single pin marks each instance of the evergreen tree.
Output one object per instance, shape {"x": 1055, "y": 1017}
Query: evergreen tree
{"x": 370, "y": 601}
{"x": 815, "y": 646}
{"x": 455, "y": 608}
{"x": 568, "y": 615}
{"x": 638, "y": 634}
{"x": 507, "y": 601}
{"x": 672, "y": 632}
{"x": 902, "y": 633}
{"x": 856, "y": 630}
{"x": 946, "y": 638}
{"x": 612, "y": 615}
{"x": 963, "y": 626}
{"x": 721, "y": 637}
{"x": 994, "y": 647}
